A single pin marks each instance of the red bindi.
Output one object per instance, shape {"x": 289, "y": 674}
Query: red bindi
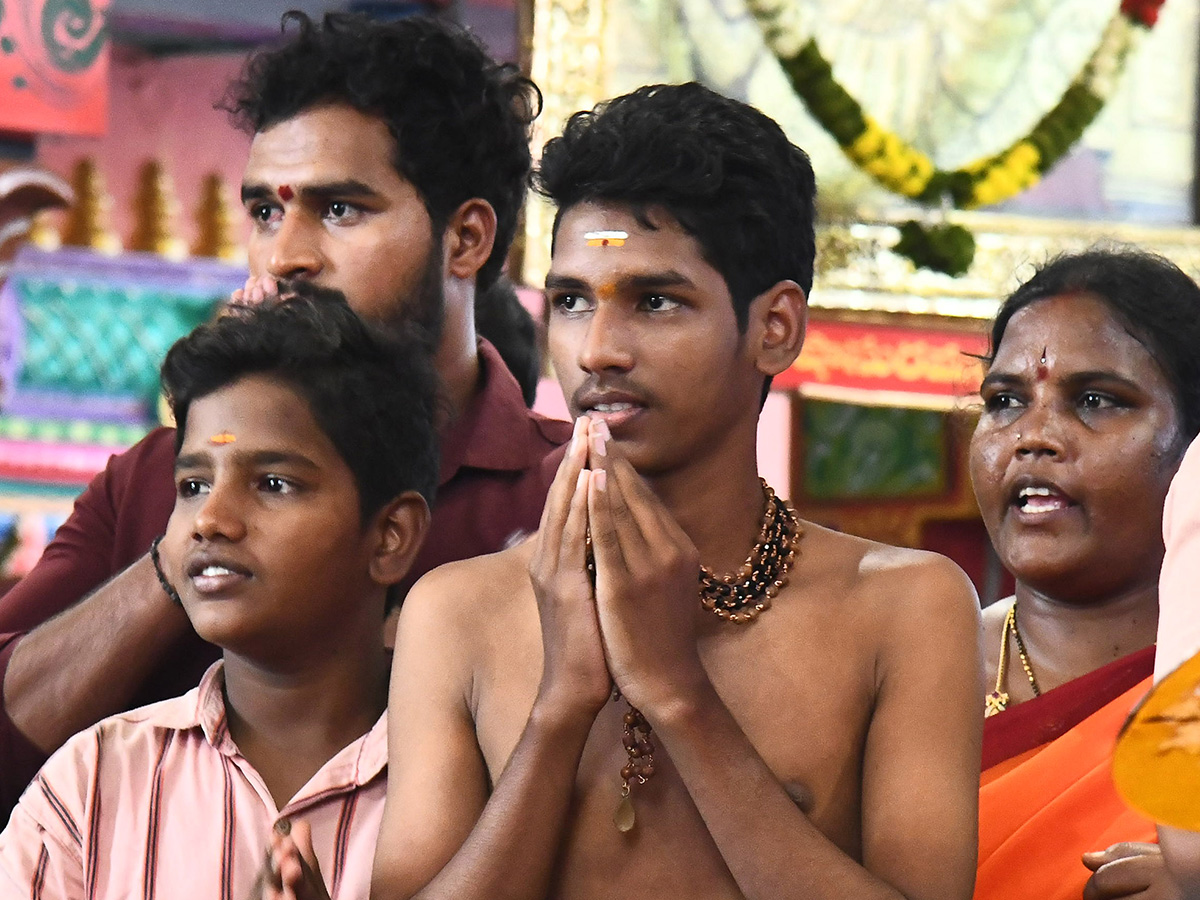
{"x": 286, "y": 193}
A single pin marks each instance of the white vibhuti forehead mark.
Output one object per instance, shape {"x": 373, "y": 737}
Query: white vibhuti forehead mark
{"x": 606, "y": 238}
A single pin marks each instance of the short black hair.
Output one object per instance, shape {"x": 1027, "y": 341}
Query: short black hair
{"x": 372, "y": 392}
{"x": 460, "y": 120}
{"x": 502, "y": 319}
{"x": 724, "y": 171}
{"x": 1156, "y": 302}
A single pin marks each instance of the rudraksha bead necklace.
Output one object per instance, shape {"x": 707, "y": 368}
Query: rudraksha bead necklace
{"x": 736, "y": 597}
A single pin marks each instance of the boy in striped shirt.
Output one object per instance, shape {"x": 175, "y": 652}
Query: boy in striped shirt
{"x": 305, "y": 465}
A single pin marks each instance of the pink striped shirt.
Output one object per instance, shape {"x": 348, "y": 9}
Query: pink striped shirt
{"x": 159, "y": 803}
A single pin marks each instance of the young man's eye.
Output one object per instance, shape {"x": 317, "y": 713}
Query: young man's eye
{"x": 191, "y": 487}
{"x": 569, "y": 303}
{"x": 660, "y": 303}
{"x": 264, "y": 213}
{"x": 341, "y": 212}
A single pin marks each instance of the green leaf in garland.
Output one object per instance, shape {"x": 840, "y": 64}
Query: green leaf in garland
{"x": 942, "y": 248}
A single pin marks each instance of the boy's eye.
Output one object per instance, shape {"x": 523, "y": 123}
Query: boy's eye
{"x": 276, "y": 484}
{"x": 192, "y": 487}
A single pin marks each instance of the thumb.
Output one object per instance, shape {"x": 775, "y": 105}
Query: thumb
{"x": 302, "y": 835}
{"x": 308, "y": 883}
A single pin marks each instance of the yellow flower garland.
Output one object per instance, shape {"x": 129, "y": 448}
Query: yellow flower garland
{"x": 902, "y": 168}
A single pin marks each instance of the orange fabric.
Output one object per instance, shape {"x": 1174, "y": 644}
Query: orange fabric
{"x": 1041, "y": 811}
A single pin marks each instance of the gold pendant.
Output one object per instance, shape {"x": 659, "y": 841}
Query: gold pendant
{"x": 625, "y": 818}
{"x": 996, "y": 701}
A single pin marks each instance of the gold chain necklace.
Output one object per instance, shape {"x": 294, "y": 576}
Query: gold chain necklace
{"x": 735, "y": 597}
{"x": 997, "y": 700}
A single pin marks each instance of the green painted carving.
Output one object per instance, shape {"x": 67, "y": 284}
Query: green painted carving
{"x": 103, "y": 339}
{"x": 76, "y": 431}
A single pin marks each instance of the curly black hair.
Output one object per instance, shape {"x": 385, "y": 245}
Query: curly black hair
{"x": 372, "y": 392}
{"x": 460, "y": 120}
{"x": 1148, "y": 294}
{"x": 724, "y": 171}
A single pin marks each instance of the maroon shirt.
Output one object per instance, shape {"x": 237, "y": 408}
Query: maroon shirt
{"x": 493, "y": 482}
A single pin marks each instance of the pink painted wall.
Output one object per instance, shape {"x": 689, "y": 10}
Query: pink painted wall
{"x": 159, "y": 108}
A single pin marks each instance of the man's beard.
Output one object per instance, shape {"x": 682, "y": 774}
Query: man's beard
{"x": 423, "y": 313}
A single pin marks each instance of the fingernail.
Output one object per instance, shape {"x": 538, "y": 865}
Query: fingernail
{"x": 600, "y": 477}
{"x": 580, "y": 423}
{"x": 581, "y": 481}
{"x": 598, "y": 445}
{"x": 284, "y": 826}
{"x": 602, "y": 428}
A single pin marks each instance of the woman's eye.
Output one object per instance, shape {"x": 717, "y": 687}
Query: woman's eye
{"x": 1000, "y": 402}
{"x": 1096, "y": 400}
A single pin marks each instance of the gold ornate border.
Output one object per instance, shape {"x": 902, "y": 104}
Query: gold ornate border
{"x": 858, "y": 275}
{"x": 567, "y": 63}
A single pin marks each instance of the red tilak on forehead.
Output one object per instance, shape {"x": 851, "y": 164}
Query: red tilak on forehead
{"x": 285, "y": 192}
{"x": 1042, "y": 371}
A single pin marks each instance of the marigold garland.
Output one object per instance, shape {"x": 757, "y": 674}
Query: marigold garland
{"x": 901, "y": 167}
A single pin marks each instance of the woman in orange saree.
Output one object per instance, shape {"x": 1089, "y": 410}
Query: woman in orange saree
{"x": 1091, "y": 395}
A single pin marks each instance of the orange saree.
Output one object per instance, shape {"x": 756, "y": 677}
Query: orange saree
{"x": 1046, "y": 795}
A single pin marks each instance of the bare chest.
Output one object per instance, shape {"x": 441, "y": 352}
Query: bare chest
{"x": 804, "y": 706}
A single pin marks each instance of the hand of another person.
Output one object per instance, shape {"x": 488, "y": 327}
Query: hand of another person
{"x": 646, "y": 583}
{"x": 574, "y": 672}
{"x": 290, "y": 871}
{"x": 1129, "y": 869}
{"x": 256, "y": 289}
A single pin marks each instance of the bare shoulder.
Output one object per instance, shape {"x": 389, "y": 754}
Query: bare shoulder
{"x": 468, "y": 601}
{"x": 891, "y": 580}
{"x": 458, "y": 586}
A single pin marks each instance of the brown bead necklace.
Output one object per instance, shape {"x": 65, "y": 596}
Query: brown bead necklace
{"x": 735, "y": 597}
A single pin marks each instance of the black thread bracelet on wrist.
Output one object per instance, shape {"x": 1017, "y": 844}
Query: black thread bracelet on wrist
{"x": 167, "y": 587}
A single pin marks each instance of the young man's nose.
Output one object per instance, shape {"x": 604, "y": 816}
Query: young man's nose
{"x": 607, "y": 343}
{"x": 295, "y": 251}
